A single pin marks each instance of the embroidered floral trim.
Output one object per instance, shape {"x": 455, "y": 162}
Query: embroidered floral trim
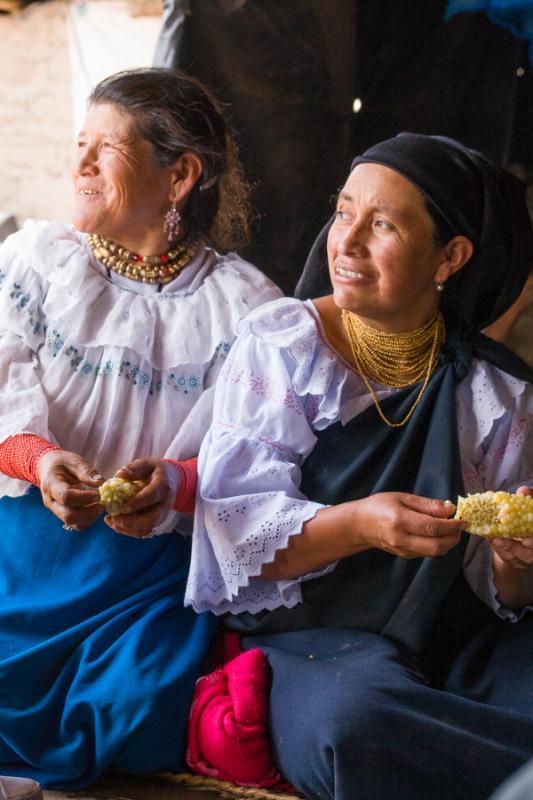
{"x": 182, "y": 329}
{"x": 286, "y": 452}
{"x": 23, "y": 302}
{"x": 187, "y": 384}
{"x": 515, "y": 441}
{"x": 222, "y": 349}
{"x": 250, "y": 379}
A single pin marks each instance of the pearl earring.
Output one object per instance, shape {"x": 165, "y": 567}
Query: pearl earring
{"x": 439, "y": 286}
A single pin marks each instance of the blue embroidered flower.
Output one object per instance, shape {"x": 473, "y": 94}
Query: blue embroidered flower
{"x": 75, "y": 358}
{"x": 16, "y": 291}
{"x": 23, "y": 303}
{"x": 56, "y": 343}
{"x": 222, "y": 349}
{"x": 107, "y": 369}
{"x": 182, "y": 382}
{"x": 156, "y": 387}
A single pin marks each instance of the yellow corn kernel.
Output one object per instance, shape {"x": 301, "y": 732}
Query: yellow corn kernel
{"x": 115, "y": 491}
{"x": 493, "y": 514}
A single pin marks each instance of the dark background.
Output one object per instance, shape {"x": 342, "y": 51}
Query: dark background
{"x": 289, "y": 71}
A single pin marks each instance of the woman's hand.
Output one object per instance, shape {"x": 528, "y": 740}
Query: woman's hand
{"x": 407, "y": 525}
{"x": 65, "y": 479}
{"x": 149, "y": 507}
{"x": 402, "y": 524}
{"x": 513, "y": 567}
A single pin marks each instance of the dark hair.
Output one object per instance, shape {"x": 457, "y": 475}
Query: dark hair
{"x": 442, "y": 230}
{"x": 176, "y": 114}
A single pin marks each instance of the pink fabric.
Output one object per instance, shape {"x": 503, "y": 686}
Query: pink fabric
{"x": 228, "y": 724}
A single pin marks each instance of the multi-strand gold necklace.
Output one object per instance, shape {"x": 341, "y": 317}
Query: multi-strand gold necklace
{"x": 148, "y": 269}
{"x": 394, "y": 359}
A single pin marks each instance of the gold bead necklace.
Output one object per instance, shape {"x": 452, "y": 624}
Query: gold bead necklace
{"x": 148, "y": 269}
{"x": 394, "y": 359}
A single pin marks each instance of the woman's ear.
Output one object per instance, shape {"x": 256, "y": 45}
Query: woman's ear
{"x": 455, "y": 255}
{"x": 185, "y": 173}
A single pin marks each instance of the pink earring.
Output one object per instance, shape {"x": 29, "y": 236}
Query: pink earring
{"x": 171, "y": 225}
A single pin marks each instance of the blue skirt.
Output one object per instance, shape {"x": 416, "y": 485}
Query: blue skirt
{"x": 98, "y": 656}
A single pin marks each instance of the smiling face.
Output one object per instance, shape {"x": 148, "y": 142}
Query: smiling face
{"x": 382, "y": 256}
{"x": 120, "y": 192}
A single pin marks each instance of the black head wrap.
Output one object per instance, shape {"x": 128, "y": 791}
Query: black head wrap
{"x": 465, "y": 194}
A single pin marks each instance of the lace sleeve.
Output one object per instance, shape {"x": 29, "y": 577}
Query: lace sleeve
{"x": 249, "y": 503}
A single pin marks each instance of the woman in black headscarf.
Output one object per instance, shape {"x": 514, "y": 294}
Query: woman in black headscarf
{"x": 396, "y": 670}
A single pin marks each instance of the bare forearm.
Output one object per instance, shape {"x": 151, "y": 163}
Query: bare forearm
{"x": 326, "y": 538}
{"x": 399, "y": 523}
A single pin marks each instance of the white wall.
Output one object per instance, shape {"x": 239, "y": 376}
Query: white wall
{"x": 51, "y": 54}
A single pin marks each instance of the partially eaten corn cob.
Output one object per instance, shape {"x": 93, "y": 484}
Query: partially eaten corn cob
{"x": 115, "y": 491}
{"x": 493, "y": 514}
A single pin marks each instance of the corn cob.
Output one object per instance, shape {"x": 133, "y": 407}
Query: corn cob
{"x": 493, "y": 514}
{"x": 115, "y": 491}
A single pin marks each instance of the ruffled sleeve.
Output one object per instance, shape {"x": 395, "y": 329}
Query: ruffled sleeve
{"x": 277, "y": 382}
{"x": 23, "y": 405}
{"x": 495, "y": 421}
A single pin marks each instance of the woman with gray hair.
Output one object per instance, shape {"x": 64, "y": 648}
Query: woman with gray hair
{"x": 112, "y": 334}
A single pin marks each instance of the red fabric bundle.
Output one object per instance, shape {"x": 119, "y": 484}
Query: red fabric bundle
{"x": 228, "y": 724}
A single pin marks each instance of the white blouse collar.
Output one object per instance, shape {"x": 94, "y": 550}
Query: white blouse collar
{"x": 185, "y": 323}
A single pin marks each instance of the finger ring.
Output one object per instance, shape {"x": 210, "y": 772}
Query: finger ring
{"x": 68, "y": 527}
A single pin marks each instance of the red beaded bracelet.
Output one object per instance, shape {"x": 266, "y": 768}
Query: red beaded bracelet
{"x": 20, "y": 456}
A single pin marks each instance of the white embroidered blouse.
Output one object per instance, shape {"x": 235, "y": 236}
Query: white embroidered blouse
{"x": 106, "y": 366}
{"x": 282, "y": 382}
